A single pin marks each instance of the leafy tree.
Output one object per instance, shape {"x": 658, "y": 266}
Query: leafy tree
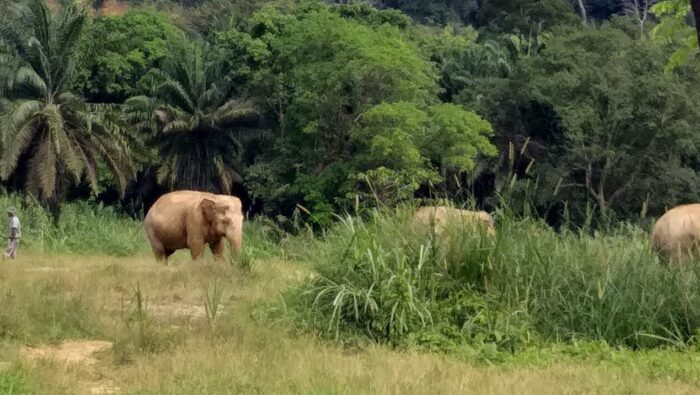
{"x": 117, "y": 51}
{"x": 333, "y": 79}
{"x": 212, "y": 16}
{"x": 441, "y": 140}
{"x": 461, "y": 60}
{"x": 192, "y": 116}
{"x": 674, "y": 29}
{"x": 318, "y": 72}
{"x": 366, "y": 14}
{"x": 522, "y": 16}
{"x": 49, "y": 134}
{"x": 626, "y": 124}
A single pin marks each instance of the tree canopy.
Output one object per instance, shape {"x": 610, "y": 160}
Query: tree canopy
{"x": 557, "y": 105}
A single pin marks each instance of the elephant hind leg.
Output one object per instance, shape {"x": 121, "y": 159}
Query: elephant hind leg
{"x": 159, "y": 251}
{"x": 161, "y": 255}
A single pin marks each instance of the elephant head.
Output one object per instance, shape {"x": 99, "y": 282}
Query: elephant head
{"x": 225, "y": 218}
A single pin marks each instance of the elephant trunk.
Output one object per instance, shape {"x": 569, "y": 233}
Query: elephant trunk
{"x": 235, "y": 241}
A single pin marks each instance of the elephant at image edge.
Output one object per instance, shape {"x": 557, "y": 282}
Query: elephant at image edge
{"x": 676, "y": 234}
{"x": 190, "y": 219}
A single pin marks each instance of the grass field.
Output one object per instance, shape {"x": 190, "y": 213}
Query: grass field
{"x": 363, "y": 308}
{"x": 172, "y": 346}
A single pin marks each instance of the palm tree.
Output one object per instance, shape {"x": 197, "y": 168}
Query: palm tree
{"x": 48, "y": 132}
{"x": 192, "y": 116}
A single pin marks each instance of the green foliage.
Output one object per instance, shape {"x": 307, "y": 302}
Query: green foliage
{"x": 386, "y": 280}
{"x": 400, "y": 136}
{"x": 612, "y": 97}
{"x": 585, "y": 121}
{"x": 461, "y": 60}
{"x": 117, "y": 51}
{"x": 191, "y": 116}
{"x": 435, "y": 12}
{"x": 355, "y": 102}
{"x": 365, "y": 13}
{"x": 674, "y": 29}
{"x": 523, "y": 16}
{"x": 341, "y": 68}
{"x": 15, "y": 382}
{"x": 336, "y": 87}
{"x": 83, "y": 228}
{"x": 61, "y": 139}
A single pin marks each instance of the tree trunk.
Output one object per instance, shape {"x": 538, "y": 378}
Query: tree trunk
{"x": 584, "y": 15}
{"x": 695, "y": 6}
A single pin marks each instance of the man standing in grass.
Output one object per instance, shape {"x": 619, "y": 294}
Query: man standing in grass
{"x": 14, "y": 234}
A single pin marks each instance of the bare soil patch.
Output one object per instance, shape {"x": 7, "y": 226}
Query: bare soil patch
{"x": 179, "y": 310}
{"x": 173, "y": 310}
{"x": 69, "y": 352}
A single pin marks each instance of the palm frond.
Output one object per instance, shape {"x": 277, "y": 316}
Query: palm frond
{"x": 43, "y": 168}
{"x": 234, "y": 110}
{"x": 173, "y": 92}
{"x": 53, "y": 120}
{"x": 16, "y": 144}
{"x": 20, "y": 113}
{"x": 212, "y": 97}
{"x": 69, "y": 156}
{"x": 27, "y": 78}
{"x": 39, "y": 59}
{"x": 73, "y": 100}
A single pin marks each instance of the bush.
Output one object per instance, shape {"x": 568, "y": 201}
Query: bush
{"x": 380, "y": 279}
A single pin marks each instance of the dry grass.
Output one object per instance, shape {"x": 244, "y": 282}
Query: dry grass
{"x": 172, "y": 348}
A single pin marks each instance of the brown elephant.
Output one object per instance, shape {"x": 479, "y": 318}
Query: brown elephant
{"x": 439, "y": 216}
{"x": 190, "y": 219}
{"x": 677, "y": 233}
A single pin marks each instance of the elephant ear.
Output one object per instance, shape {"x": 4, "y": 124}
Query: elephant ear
{"x": 208, "y": 206}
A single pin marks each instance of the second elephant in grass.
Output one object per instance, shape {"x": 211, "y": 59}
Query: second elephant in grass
{"x": 676, "y": 234}
{"x": 191, "y": 219}
{"x": 440, "y": 216}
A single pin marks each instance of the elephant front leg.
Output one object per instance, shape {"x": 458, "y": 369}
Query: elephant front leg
{"x": 218, "y": 248}
{"x": 196, "y": 248}
{"x": 196, "y": 252}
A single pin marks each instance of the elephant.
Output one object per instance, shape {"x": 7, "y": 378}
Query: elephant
{"x": 439, "y": 215}
{"x": 676, "y": 234}
{"x": 191, "y": 219}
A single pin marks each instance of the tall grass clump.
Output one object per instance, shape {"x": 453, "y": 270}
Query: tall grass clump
{"x": 381, "y": 278}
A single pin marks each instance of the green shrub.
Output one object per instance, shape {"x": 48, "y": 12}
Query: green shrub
{"x": 15, "y": 382}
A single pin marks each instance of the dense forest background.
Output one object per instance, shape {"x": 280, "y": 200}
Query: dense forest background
{"x": 560, "y": 108}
